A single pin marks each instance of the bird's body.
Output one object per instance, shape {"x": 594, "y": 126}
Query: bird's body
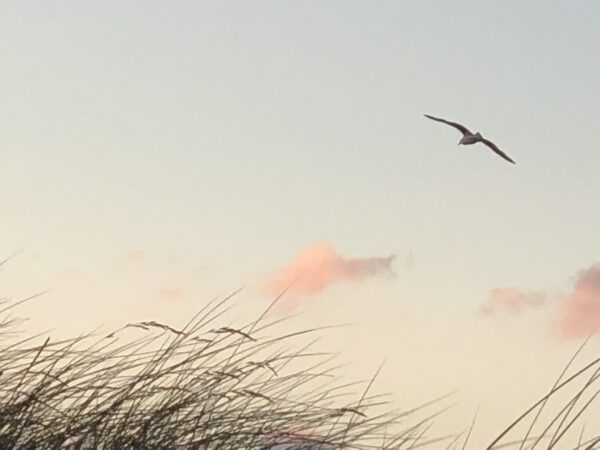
{"x": 470, "y": 138}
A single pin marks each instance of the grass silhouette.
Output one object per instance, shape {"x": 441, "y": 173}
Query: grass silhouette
{"x": 214, "y": 386}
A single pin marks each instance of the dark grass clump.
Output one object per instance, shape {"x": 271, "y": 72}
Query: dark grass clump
{"x": 200, "y": 387}
{"x": 214, "y": 386}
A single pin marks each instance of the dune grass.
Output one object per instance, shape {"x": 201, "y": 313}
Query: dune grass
{"x": 204, "y": 386}
{"x": 211, "y": 385}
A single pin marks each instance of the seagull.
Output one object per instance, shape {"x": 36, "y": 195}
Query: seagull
{"x": 470, "y": 138}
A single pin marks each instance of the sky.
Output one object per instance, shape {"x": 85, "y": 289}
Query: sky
{"x": 154, "y": 155}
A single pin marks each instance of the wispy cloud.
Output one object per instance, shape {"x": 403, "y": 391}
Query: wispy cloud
{"x": 579, "y": 312}
{"x": 576, "y": 314}
{"x": 171, "y": 293}
{"x": 318, "y": 266}
{"x": 511, "y": 300}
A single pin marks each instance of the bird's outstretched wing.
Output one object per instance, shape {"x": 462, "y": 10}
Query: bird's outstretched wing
{"x": 464, "y": 130}
{"x": 497, "y": 150}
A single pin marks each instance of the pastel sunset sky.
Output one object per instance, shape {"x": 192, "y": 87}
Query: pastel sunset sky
{"x": 154, "y": 155}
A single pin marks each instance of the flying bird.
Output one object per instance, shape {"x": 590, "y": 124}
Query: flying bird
{"x": 470, "y": 138}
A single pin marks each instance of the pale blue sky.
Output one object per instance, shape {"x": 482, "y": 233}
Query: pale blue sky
{"x": 233, "y": 134}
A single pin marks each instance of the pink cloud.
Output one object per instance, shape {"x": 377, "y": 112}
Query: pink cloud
{"x": 318, "y": 266}
{"x": 296, "y": 438}
{"x": 170, "y": 293}
{"x": 511, "y": 300}
{"x": 579, "y": 314}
